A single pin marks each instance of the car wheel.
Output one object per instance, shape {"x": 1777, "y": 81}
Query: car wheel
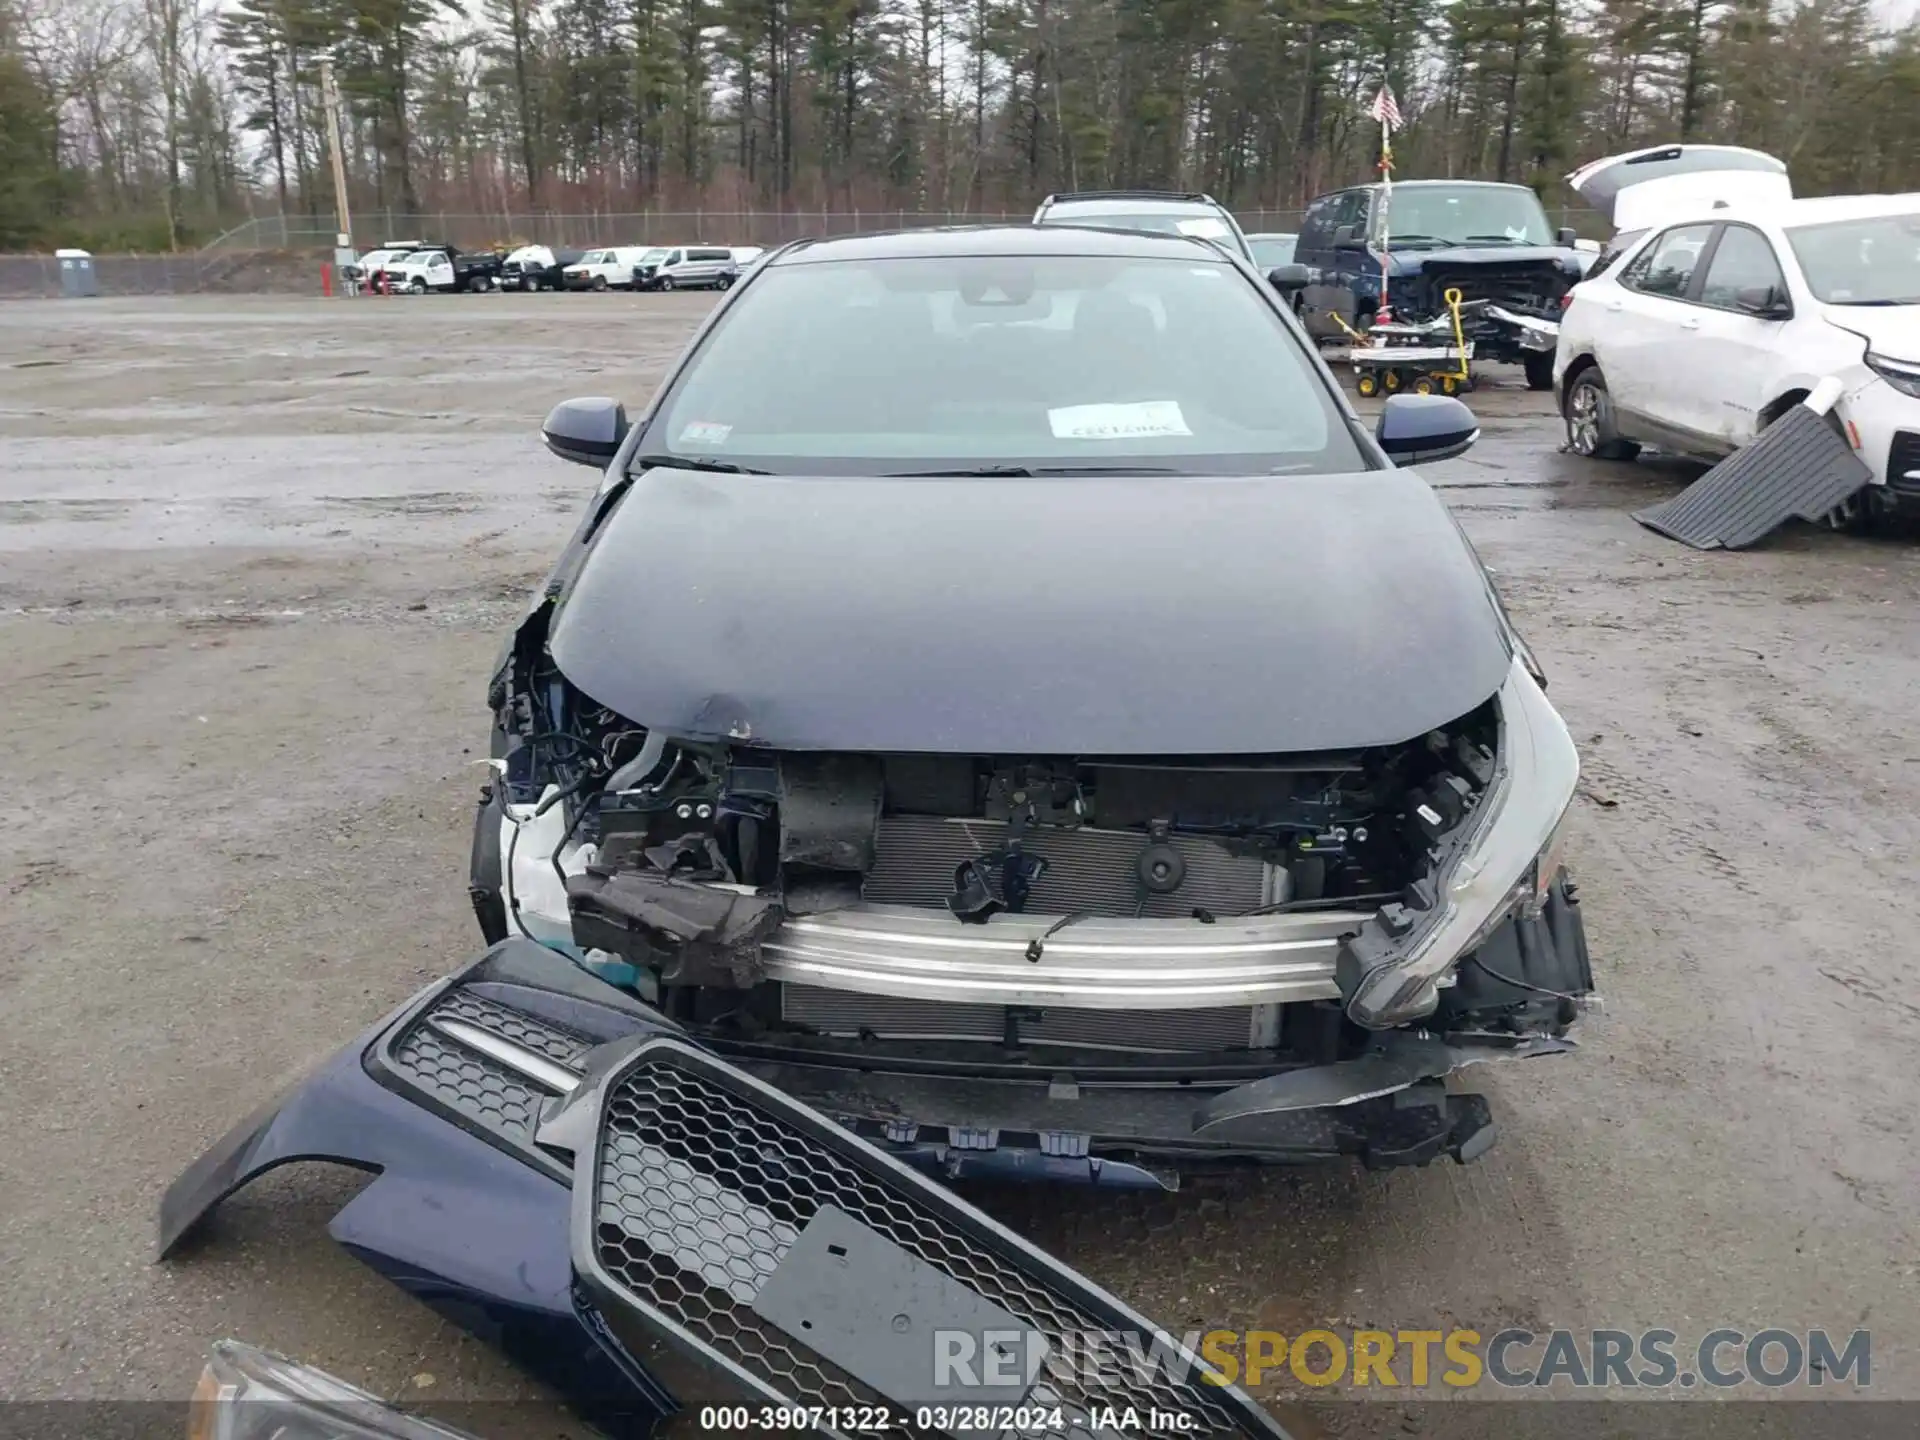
{"x": 599, "y": 282}
{"x": 483, "y": 283}
{"x": 419, "y": 287}
{"x": 666, "y": 283}
{"x": 1589, "y": 417}
{"x": 723, "y": 283}
{"x": 1539, "y": 370}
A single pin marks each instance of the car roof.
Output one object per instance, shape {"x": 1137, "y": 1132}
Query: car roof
{"x": 992, "y": 240}
{"x": 1452, "y": 185}
{"x": 1130, "y": 204}
{"x": 1788, "y": 213}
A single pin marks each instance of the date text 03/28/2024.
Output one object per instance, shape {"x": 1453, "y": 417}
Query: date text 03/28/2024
{"x": 951, "y": 1419}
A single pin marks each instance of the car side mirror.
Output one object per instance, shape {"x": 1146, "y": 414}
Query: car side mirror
{"x": 1567, "y": 236}
{"x": 1764, "y": 302}
{"x": 1289, "y": 280}
{"x": 1420, "y": 429}
{"x": 586, "y": 431}
{"x": 1347, "y": 237}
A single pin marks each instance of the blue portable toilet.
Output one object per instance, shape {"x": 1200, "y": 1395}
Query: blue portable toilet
{"x": 77, "y": 277}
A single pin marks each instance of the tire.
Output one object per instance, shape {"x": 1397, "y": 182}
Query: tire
{"x": 1367, "y": 385}
{"x": 599, "y": 283}
{"x": 418, "y": 286}
{"x": 1539, "y": 370}
{"x": 664, "y": 284}
{"x": 483, "y": 283}
{"x": 1589, "y": 418}
{"x": 725, "y": 282}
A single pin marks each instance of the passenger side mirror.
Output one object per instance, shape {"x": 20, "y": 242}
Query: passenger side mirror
{"x": 586, "y": 431}
{"x": 1347, "y": 237}
{"x": 1764, "y": 302}
{"x": 1420, "y": 429}
{"x": 1567, "y": 236}
{"x": 1289, "y": 280}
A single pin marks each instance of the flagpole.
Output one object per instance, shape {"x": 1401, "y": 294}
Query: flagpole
{"x": 1386, "y": 206}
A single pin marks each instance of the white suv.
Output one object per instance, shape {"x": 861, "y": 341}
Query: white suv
{"x": 1705, "y": 330}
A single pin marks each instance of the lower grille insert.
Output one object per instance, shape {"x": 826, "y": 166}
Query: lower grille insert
{"x": 702, "y": 1183}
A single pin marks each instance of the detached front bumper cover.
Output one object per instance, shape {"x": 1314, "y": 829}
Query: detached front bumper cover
{"x": 561, "y": 1174}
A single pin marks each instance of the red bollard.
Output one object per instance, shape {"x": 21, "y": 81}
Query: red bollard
{"x": 326, "y": 279}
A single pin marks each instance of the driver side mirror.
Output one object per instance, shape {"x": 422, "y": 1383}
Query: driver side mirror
{"x": 586, "y": 431}
{"x": 1567, "y": 237}
{"x": 1764, "y": 302}
{"x": 1347, "y": 237}
{"x": 1420, "y": 429}
{"x": 1289, "y": 280}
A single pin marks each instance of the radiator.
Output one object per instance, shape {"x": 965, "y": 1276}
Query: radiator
{"x": 1089, "y": 871}
{"x": 844, "y": 1013}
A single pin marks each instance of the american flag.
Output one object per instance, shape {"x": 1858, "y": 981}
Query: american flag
{"x": 1384, "y": 110}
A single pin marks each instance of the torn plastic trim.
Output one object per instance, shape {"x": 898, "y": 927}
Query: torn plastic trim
{"x": 1395, "y": 1061}
{"x": 1390, "y": 971}
{"x": 1535, "y": 333}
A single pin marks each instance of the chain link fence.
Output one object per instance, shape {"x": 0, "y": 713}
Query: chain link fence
{"x": 285, "y": 253}
{"x": 589, "y": 231}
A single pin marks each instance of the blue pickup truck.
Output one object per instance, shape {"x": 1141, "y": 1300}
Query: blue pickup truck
{"x": 1491, "y": 242}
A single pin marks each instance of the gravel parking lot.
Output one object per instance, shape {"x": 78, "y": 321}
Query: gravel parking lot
{"x": 256, "y": 555}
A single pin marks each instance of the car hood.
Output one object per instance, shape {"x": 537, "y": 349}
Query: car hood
{"x": 1890, "y": 330}
{"x": 1054, "y": 616}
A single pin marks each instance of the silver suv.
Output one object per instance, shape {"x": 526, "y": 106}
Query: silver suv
{"x": 1158, "y": 210}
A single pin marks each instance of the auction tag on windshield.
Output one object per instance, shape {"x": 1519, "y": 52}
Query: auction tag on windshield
{"x": 1118, "y": 422}
{"x": 1207, "y": 228}
{"x": 705, "y": 432}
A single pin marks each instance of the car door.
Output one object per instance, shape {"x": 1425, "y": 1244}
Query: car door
{"x": 1646, "y": 320}
{"x": 440, "y": 271}
{"x": 1327, "y": 293}
{"x": 707, "y": 265}
{"x": 1738, "y": 345}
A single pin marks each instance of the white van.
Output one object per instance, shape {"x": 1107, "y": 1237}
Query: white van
{"x": 605, "y": 269}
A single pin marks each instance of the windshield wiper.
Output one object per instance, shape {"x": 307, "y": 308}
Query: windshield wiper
{"x": 1912, "y": 300}
{"x": 989, "y": 472}
{"x": 693, "y": 462}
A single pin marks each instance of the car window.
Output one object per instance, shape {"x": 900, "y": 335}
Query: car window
{"x": 1316, "y": 226}
{"x": 1612, "y": 251}
{"x": 1469, "y": 214}
{"x": 1272, "y": 250}
{"x": 711, "y": 255}
{"x": 1743, "y": 260}
{"x": 1665, "y": 267}
{"x": 1874, "y": 260}
{"x": 1034, "y": 361}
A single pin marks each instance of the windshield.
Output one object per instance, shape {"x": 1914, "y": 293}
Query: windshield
{"x": 654, "y": 257}
{"x": 1872, "y": 261}
{"x": 1463, "y": 214}
{"x": 1034, "y": 362}
{"x": 1272, "y": 250}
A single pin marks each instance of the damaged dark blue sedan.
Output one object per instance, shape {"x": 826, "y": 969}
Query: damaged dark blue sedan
{"x": 1002, "y": 692}
{"x": 1001, "y": 715}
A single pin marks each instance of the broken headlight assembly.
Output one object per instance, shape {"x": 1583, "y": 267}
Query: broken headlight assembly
{"x": 250, "y": 1394}
{"x": 1902, "y": 375}
{"x": 1503, "y": 856}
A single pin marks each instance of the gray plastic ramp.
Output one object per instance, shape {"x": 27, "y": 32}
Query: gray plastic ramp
{"x": 1800, "y": 468}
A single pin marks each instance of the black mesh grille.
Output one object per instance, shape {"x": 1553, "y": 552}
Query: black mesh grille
{"x": 699, "y": 1194}
{"x": 476, "y": 1086}
{"x": 480, "y": 1089}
